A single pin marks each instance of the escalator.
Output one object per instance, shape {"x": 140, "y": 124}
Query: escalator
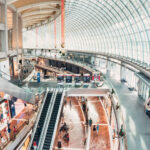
{"x": 52, "y": 122}
{"x": 12, "y": 88}
{"x": 42, "y": 119}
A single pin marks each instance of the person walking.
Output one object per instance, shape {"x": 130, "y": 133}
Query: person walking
{"x": 84, "y": 141}
{"x": 90, "y": 122}
{"x": 97, "y": 128}
{"x": 65, "y": 102}
{"x": 8, "y": 124}
{"x": 9, "y": 131}
{"x": 121, "y": 132}
{"x": 94, "y": 128}
{"x": 15, "y": 132}
{"x": 35, "y": 145}
{"x": 70, "y": 104}
{"x": 39, "y": 130}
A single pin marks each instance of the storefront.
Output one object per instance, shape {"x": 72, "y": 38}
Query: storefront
{"x": 9, "y": 107}
{"x": 143, "y": 86}
{"x": 4, "y": 108}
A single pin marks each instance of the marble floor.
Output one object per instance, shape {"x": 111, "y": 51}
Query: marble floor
{"x": 75, "y": 119}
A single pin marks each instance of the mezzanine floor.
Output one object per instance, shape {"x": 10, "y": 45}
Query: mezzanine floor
{"x": 137, "y": 122}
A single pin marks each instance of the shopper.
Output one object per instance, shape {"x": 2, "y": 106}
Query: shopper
{"x": 9, "y": 130}
{"x": 25, "y": 105}
{"x": 59, "y": 144}
{"x": 35, "y": 145}
{"x": 117, "y": 106}
{"x": 94, "y": 128}
{"x": 97, "y": 128}
{"x": 8, "y": 124}
{"x": 38, "y": 130}
{"x": 84, "y": 141}
{"x": 15, "y": 132}
{"x": 62, "y": 116}
{"x": 90, "y": 122}
{"x": 84, "y": 107}
{"x": 121, "y": 132}
{"x": 70, "y": 104}
{"x": 65, "y": 102}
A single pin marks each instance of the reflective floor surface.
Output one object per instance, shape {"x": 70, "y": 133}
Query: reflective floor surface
{"x": 74, "y": 116}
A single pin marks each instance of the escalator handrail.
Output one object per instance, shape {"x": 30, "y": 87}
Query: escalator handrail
{"x": 37, "y": 120}
{"x": 57, "y": 120}
{"x": 4, "y": 73}
{"x": 47, "y": 119}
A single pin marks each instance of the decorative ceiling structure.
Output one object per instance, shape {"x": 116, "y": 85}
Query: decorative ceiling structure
{"x": 36, "y": 12}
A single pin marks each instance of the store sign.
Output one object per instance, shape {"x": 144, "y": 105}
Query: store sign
{"x": 12, "y": 108}
{"x": 96, "y": 76}
{"x": 86, "y": 78}
{"x": 68, "y": 78}
{"x": 38, "y": 77}
{"x": 60, "y": 78}
{"x": 77, "y": 78}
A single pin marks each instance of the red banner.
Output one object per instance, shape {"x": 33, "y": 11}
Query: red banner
{"x": 55, "y": 32}
{"x": 62, "y": 24}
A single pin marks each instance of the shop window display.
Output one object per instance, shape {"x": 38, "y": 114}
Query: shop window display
{"x": 4, "y": 111}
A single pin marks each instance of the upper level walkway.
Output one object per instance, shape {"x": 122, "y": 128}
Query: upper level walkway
{"x": 137, "y": 122}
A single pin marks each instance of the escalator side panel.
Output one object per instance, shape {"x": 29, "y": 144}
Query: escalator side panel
{"x": 52, "y": 123}
{"x": 41, "y": 120}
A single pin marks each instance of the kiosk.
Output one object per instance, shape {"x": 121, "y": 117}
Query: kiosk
{"x": 77, "y": 79}
{"x": 60, "y": 79}
{"x": 95, "y": 76}
{"x": 86, "y": 80}
{"x": 38, "y": 77}
{"x": 68, "y": 78}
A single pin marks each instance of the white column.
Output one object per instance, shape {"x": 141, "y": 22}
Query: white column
{"x": 6, "y": 29}
{"x": 15, "y": 31}
{"x": 121, "y": 71}
{"x": 19, "y": 32}
{"x": 108, "y": 68}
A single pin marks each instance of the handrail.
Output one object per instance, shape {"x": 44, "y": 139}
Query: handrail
{"x": 77, "y": 63}
{"x": 57, "y": 120}
{"x": 47, "y": 119}
{"x": 37, "y": 120}
{"x": 22, "y": 143}
{"x": 4, "y": 73}
{"x": 143, "y": 67}
{"x": 118, "y": 116}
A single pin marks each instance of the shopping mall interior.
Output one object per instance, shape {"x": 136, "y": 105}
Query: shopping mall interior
{"x": 74, "y": 74}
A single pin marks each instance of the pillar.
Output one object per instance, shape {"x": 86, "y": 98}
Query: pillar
{"x": 17, "y": 38}
{"x": 4, "y": 30}
{"x": 108, "y": 67}
{"x": 62, "y": 24}
{"x": 15, "y": 31}
{"x": 122, "y": 72}
{"x": 55, "y": 46}
{"x": 20, "y": 32}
